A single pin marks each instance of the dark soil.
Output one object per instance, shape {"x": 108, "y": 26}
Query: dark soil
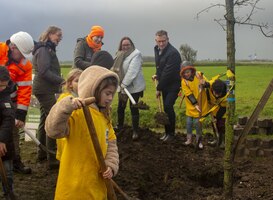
{"x": 152, "y": 170}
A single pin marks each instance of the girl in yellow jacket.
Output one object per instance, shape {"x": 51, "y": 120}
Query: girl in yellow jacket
{"x": 70, "y": 89}
{"x": 196, "y": 101}
{"x": 217, "y": 101}
{"x": 80, "y": 176}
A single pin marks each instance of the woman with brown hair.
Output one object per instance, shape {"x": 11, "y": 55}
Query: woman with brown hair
{"x": 47, "y": 82}
{"x": 128, "y": 66}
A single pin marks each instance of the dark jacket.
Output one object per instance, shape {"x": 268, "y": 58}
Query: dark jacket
{"x": 47, "y": 79}
{"x": 82, "y": 54}
{"x": 7, "y": 121}
{"x": 168, "y": 68}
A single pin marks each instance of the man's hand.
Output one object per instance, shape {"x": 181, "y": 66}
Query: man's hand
{"x": 3, "y": 149}
{"x": 19, "y": 123}
{"x": 154, "y": 77}
{"x": 158, "y": 94}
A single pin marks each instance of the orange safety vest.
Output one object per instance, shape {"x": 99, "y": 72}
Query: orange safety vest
{"x": 21, "y": 75}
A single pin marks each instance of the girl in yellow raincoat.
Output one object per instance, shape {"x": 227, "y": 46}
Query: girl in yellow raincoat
{"x": 80, "y": 176}
{"x": 70, "y": 89}
{"x": 196, "y": 101}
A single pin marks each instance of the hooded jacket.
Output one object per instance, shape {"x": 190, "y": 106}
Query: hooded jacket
{"x": 47, "y": 79}
{"x": 79, "y": 173}
{"x": 82, "y": 54}
{"x": 21, "y": 75}
{"x": 194, "y": 94}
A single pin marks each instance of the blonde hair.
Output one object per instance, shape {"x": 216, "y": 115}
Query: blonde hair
{"x": 50, "y": 30}
{"x": 70, "y": 77}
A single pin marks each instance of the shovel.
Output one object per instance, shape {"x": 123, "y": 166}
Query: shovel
{"x": 37, "y": 142}
{"x": 10, "y": 194}
{"x": 161, "y": 117}
{"x": 140, "y": 105}
{"x": 92, "y": 131}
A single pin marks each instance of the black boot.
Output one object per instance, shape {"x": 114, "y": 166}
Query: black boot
{"x": 120, "y": 122}
{"x": 135, "y": 123}
{"x": 19, "y": 167}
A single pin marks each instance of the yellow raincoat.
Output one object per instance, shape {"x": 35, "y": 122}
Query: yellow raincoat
{"x": 216, "y": 103}
{"x": 79, "y": 174}
{"x": 192, "y": 87}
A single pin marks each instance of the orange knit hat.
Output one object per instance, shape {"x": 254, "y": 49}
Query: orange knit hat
{"x": 96, "y": 31}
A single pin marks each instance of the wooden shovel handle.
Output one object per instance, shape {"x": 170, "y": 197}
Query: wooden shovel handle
{"x": 89, "y": 100}
{"x": 160, "y": 107}
{"x": 92, "y": 131}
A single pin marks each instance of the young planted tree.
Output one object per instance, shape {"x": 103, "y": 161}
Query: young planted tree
{"x": 228, "y": 24}
{"x": 188, "y": 53}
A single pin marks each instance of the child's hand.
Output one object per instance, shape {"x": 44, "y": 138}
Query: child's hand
{"x": 108, "y": 173}
{"x": 197, "y": 108}
{"x": 78, "y": 103}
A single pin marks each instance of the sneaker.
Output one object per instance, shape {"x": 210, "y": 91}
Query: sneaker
{"x": 200, "y": 145}
{"x": 163, "y": 137}
{"x": 135, "y": 135}
{"x": 212, "y": 142}
{"x": 168, "y": 138}
{"x": 188, "y": 142}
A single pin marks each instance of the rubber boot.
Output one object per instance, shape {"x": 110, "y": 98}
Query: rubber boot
{"x": 19, "y": 167}
{"x": 189, "y": 139}
{"x": 135, "y": 123}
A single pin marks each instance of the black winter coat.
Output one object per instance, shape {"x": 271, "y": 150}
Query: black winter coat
{"x": 47, "y": 69}
{"x": 168, "y": 68}
{"x": 7, "y": 121}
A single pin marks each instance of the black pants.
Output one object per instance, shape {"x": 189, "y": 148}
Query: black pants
{"x": 46, "y": 102}
{"x": 122, "y": 102}
{"x": 169, "y": 98}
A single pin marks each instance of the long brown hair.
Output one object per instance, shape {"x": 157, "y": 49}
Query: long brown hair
{"x": 50, "y": 30}
{"x": 109, "y": 81}
{"x": 125, "y": 38}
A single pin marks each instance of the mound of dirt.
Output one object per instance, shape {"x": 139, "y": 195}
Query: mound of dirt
{"x": 153, "y": 170}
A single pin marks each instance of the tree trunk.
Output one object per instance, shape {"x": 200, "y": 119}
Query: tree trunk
{"x": 230, "y": 120}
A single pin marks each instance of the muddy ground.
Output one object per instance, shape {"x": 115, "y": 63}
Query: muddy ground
{"x": 152, "y": 170}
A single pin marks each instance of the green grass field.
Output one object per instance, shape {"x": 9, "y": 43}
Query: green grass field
{"x": 251, "y": 82}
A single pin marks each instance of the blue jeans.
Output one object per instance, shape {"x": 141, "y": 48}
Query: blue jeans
{"x": 191, "y": 121}
{"x": 8, "y": 165}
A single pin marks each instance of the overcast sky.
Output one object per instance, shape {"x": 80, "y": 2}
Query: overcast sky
{"x": 138, "y": 19}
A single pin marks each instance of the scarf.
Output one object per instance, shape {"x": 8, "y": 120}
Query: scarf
{"x": 92, "y": 44}
{"x": 118, "y": 62}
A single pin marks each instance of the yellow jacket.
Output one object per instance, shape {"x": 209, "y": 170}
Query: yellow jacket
{"x": 214, "y": 102}
{"x": 79, "y": 174}
{"x": 190, "y": 88}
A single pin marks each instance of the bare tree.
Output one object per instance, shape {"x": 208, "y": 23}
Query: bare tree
{"x": 231, "y": 18}
{"x": 188, "y": 53}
